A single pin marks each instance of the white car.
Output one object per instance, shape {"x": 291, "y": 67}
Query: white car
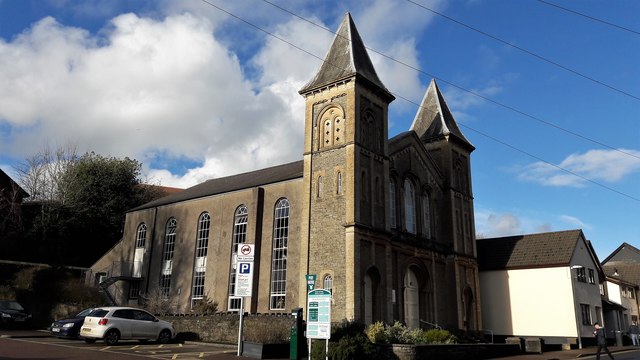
{"x": 113, "y": 323}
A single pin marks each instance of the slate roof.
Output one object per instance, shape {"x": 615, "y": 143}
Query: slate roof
{"x": 222, "y": 185}
{"x": 528, "y": 251}
{"x": 627, "y": 271}
{"x": 434, "y": 120}
{"x": 346, "y": 57}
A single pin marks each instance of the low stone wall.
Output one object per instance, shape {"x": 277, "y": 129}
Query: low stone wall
{"x": 223, "y": 327}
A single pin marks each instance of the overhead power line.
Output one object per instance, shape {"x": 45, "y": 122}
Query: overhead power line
{"x": 495, "y": 102}
{"x": 590, "y": 17}
{"x": 420, "y": 106}
{"x": 528, "y": 52}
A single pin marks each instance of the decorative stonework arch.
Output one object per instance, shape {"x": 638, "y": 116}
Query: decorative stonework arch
{"x": 332, "y": 126}
{"x": 417, "y": 295}
{"x": 468, "y": 303}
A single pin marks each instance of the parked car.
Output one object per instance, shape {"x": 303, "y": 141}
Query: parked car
{"x": 70, "y": 327}
{"x": 13, "y": 314}
{"x": 113, "y": 323}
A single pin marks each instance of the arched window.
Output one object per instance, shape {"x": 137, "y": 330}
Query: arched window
{"x": 339, "y": 183}
{"x": 392, "y": 203}
{"x": 279, "y": 255}
{"x": 426, "y": 215}
{"x": 141, "y": 235}
{"x": 167, "y": 257}
{"x": 138, "y": 255}
{"x": 409, "y": 207}
{"x": 239, "y": 236}
{"x": 200, "y": 267}
{"x": 327, "y": 283}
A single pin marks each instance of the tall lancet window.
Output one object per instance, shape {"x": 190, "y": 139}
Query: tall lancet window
{"x": 200, "y": 268}
{"x": 409, "y": 207}
{"x": 279, "y": 255}
{"x": 426, "y": 215}
{"x": 239, "y": 237}
{"x": 167, "y": 257}
{"x": 392, "y": 203}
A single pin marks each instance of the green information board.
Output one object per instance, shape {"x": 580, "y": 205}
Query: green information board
{"x": 319, "y": 314}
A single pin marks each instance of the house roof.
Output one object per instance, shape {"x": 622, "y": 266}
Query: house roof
{"x": 346, "y": 57}
{"x": 528, "y": 251}
{"x": 246, "y": 180}
{"x": 434, "y": 120}
{"x": 624, "y": 252}
{"x": 6, "y": 179}
{"x": 626, "y": 271}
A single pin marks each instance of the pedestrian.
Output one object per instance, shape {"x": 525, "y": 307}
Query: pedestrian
{"x": 601, "y": 341}
{"x": 633, "y": 333}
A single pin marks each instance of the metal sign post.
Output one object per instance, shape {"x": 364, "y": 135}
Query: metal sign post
{"x": 244, "y": 282}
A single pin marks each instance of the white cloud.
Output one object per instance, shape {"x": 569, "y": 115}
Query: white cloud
{"x": 574, "y": 222}
{"x": 169, "y": 88}
{"x": 597, "y": 165}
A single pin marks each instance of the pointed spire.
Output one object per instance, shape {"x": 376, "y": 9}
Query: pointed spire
{"x": 434, "y": 119}
{"x": 346, "y": 57}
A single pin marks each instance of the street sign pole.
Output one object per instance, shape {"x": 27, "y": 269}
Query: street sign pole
{"x": 244, "y": 282}
{"x": 241, "y": 312}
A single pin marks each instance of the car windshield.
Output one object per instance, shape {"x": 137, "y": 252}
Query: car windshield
{"x": 84, "y": 312}
{"x": 11, "y": 305}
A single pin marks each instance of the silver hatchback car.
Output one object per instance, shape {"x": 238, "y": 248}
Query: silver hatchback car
{"x": 113, "y": 323}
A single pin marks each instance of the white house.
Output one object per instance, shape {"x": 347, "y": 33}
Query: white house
{"x": 541, "y": 285}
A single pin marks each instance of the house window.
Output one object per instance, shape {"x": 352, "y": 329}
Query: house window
{"x": 328, "y": 283}
{"x": 134, "y": 290}
{"x": 392, "y": 203}
{"x": 200, "y": 267}
{"x": 592, "y": 276}
{"x": 601, "y": 286}
{"x": 409, "y": 207}
{"x": 581, "y": 274}
{"x": 586, "y": 314}
{"x": 167, "y": 257}
{"x": 239, "y": 237}
{"x": 279, "y": 256}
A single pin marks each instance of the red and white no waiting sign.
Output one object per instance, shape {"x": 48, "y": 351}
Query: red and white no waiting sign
{"x": 246, "y": 252}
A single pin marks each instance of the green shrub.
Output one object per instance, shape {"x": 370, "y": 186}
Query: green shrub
{"x": 400, "y": 334}
{"x": 375, "y": 333}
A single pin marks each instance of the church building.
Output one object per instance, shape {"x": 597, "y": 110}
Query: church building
{"x": 386, "y": 225}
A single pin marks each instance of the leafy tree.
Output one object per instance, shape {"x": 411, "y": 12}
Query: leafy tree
{"x": 79, "y": 208}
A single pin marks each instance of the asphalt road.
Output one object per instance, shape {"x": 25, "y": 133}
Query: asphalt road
{"x": 56, "y": 349}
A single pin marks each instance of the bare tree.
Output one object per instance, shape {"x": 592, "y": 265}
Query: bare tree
{"x": 41, "y": 174}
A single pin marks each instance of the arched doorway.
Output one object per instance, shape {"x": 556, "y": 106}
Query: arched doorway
{"x": 372, "y": 303}
{"x": 411, "y": 299}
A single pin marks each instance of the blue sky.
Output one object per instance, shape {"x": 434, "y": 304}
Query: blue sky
{"x": 194, "y": 93}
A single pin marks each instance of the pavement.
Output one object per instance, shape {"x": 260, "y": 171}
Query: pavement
{"x": 548, "y": 355}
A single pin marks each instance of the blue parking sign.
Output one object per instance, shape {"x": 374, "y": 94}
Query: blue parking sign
{"x": 245, "y": 268}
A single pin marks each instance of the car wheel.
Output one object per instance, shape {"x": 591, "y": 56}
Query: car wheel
{"x": 111, "y": 337}
{"x": 89, "y": 341}
{"x": 164, "y": 337}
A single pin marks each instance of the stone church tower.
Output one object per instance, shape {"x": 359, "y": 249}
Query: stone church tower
{"x": 391, "y": 231}
{"x": 346, "y": 166}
